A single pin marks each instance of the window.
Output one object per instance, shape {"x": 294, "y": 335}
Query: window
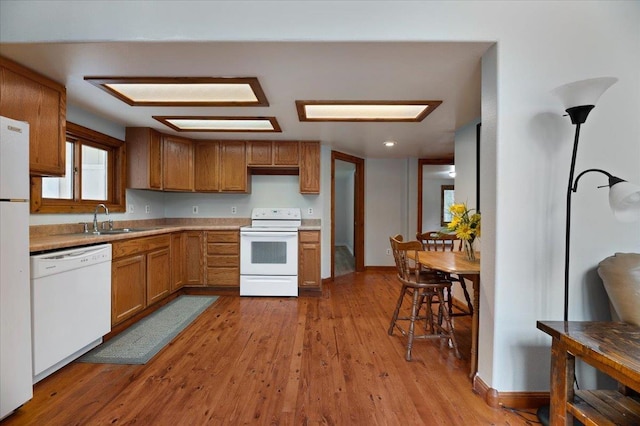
{"x": 447, "y": 197}
{"x": 94, "y": 174}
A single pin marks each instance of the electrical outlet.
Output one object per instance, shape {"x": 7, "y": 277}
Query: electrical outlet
{"x": 147, "y": 209}
{"x": 310, "y": 210}
{"x": 388, "y": 252}
{"x": 195, "y": 209}
{"x": 234, "y": 210}
{"x": 131, "y": 208}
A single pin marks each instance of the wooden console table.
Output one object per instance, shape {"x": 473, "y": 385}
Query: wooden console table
{"x": 611, "y": 347}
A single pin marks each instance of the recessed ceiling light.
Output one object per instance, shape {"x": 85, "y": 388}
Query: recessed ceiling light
{"x": 389, "y": 143}
{"x": 365, "y": 110}
{"x": 183, "y": 91}
{"x": 220, "y": 124}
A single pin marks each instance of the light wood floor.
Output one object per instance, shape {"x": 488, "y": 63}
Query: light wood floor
{"x": 278, "y": 361}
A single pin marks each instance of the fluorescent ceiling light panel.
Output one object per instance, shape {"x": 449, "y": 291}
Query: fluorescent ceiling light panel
{"x": 186, "y": 92}
{"x": 365, "y": 110}
{"x": 183, "y": 91}
{"x": 220, "y": 124}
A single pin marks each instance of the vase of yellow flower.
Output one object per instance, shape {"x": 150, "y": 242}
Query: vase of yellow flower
{"x": 466, "y": 226}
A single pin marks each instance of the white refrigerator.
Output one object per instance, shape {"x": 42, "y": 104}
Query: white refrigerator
{"x": 16, "y": 374}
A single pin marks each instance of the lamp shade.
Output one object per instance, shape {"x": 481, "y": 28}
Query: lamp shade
{"x": 583, "y": 92}
{"x": 624, "y": 199}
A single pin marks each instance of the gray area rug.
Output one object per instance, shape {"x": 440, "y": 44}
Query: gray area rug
{"x": 144, "y": 339}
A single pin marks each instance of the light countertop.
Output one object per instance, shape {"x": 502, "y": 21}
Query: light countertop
{"x": 53, "y": 237}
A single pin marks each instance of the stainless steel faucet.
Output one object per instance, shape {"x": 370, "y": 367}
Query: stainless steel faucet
{"x": 95, "y": 217}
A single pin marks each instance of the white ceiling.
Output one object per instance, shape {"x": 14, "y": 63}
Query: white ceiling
{"x": 287, "y": 71}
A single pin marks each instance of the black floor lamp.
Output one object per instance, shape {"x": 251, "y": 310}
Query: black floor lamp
{"x": 579, "y": 98}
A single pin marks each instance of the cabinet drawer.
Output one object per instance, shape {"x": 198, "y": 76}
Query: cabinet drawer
{"x": 223, "y": 237}
{"x": 223, "y": 276}
{"x": 139, "y": 245}
{"x": 223, "y": 261}
{"x": 309, "y": 236}
{"x": 223, "y": 249}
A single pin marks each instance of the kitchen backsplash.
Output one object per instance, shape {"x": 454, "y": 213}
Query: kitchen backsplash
{"x": 266, "y": 191}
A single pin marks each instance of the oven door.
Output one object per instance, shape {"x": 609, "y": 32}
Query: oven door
{"x": 269, "y": 253}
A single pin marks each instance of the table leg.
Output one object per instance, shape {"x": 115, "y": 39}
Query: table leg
{"x": 475, "y": 279}
{"x": 562, "y": 372}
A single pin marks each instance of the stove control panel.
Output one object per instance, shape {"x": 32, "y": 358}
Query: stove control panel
{"x": 288, "y": 213}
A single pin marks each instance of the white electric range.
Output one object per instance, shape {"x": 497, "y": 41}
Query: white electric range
{"x": 269, "y": 253}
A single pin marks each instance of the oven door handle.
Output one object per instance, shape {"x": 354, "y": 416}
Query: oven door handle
{"x": 268, "y": 234}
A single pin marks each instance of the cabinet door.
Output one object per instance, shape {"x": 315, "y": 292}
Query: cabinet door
{"x": 128, "y": 284}
{"x": 259, "y": 153}
{"x": 207, "y": 166}
{"x": 234, "y": 175}
{"x": 286, "y": 153}
{"x": 309, "y": 258}
{"x": 28, "y": 96}
{"x": 309, "y": 167}
{"x": 194, "y": 258}
{"x": 177, "y": 261}
{"x": 144, "y": 158}
{"x": 158, "y": 275}
{"x": 177, "y": 166}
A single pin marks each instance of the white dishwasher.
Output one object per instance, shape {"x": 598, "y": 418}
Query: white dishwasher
{"x": 70, "y": 305}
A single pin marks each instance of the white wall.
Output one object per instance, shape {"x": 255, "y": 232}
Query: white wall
{"x": 266, "y": 191}
{"x": 465, "y": 157}
{"x": 386, "y": 207}
{"x": 526, "y": 142}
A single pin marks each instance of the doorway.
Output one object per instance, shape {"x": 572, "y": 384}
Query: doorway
{"x": 435, "y": 171}
{"x": 347, "y": 209}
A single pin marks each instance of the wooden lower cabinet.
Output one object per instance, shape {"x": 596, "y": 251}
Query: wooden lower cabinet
{"x": 193, "y": 258}
{"x": 128, "y": 287}
{"x": 223, "y": 258}
{"x": 177, "y": 261}
{"x": 140, "y": 275}
{"x": 309, "y": 260}
{"x": 158, "y": 275}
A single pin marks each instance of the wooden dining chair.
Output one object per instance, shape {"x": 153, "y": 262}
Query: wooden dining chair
{"x": 438, "y": 241}
{"x": 424, "y": 291}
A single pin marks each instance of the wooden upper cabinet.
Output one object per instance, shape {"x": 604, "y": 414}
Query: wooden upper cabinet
{"x": 286, "y": 153}
{"x": 234, "y": 174}
{"x": 144, "y": 158}
{"x": 177, "y": 163}
{"x": 31, "y": 97}
{"x": 259, "y": 153}
{"x": 206, "y": 166}
{"x": 171, "y": 163}
{"x": 273, "y": 153}
{"x": 309, "y": 167}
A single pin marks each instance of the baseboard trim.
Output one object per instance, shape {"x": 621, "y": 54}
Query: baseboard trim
{"x": 380, "y": 268}
{"x": 496, "y": 399}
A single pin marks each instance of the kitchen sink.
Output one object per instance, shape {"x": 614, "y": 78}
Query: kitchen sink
{"x": 115, "y": 231}
{"x": 120, "y": 231}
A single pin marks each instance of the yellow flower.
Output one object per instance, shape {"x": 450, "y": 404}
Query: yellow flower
{"x": 458, "y": 209}
{"x": 463, "y": 223}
